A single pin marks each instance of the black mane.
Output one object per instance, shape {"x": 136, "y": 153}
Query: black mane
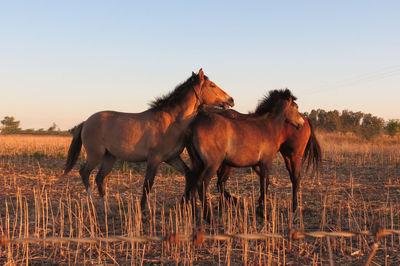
{"x": 176, "y": 96}
{"x": 269, "y": 102}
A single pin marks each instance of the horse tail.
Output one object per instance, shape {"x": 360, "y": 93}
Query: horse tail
{"x": 312, "y": 153}
{"x": 196, "y": 162}
{"x": 74, "y": 148}
{"x": 197, "y": 165}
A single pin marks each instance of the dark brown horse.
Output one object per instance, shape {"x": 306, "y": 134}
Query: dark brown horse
{"x": 156, "y": 135}
{"x": 217, "y": 139}
{"x": 297, "y": 146}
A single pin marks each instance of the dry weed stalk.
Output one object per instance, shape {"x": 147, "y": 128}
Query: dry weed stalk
{"x": 358, "y": 180}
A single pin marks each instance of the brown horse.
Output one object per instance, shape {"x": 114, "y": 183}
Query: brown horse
{"x": 296, "y": 145}
{"x": 217, "y": 139}
{"x": 156, "y": 135}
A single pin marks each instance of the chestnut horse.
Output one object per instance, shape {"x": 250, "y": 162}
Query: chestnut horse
{"x": 217, "y": 139}
{"x": 156, "y": 135}
{"x": 296, "y": 145}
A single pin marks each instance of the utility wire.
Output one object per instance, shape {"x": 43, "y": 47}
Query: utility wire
{"x": 366, "y": 77}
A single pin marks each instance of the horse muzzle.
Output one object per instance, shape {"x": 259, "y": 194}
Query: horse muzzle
{"x": 301, "y": 123}
{"x": 229, "y": 103}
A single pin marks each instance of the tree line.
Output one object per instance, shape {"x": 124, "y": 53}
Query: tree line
{"x": 359, "y": 123}
{"x": 363, "y": 125}
{"x": 11, "y": 126}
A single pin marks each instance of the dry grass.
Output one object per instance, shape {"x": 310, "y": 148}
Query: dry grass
{"x": 358, "y": 180}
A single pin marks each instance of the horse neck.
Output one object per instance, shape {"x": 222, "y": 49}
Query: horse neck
{"x": 187, "y": 109}
{"x": 283, "y": 135}
{"x": 277, "y": 120}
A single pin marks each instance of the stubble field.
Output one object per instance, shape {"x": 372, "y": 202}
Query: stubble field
{"x": 45, "y": 218}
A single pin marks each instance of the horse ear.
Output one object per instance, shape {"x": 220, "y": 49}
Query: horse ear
{"x": 201, "y": 74}
{"x": 193, "y": 74}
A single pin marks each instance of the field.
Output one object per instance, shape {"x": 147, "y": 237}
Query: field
{"x": 45, "y": 218}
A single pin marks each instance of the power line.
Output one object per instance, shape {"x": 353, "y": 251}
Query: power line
{"x": 366, "y": 77}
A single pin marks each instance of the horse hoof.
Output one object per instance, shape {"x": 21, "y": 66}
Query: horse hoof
{"x": 229, "y": 201}
{"x": 183, "y": 200}
{"x": 143, "y": 212}
{"x": 143, "y": 208}
{"x": 110, "y": 214}
{"x": 234, "y": 200}
{"x": 260, "y": 211}
{"x": 207, "y": 218}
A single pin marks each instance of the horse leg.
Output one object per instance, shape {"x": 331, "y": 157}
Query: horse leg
{"x": 84, "y": 172}
{"x": 101, "y": 179}
{"x": 181, "y": 166}
{"x": 264, "y": 182}
{"x": 193, "y": 179}
{"x": 293, "y": 164}
{"x": 151, "y": 171}
{"x": 288, "y": 164}
{"x": 202, "y": 190}
{"x": 202, "y": 185}
{"x": 256, "y": 169}
{"x": 223, "y": 174}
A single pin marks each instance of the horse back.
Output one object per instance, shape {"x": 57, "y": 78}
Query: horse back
{"x": 229, "y": 113}
{"x": 239, "y": 142}
{"x": 127, "y": 136}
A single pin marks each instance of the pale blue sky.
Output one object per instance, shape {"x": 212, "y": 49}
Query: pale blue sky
{"x": 61, "y": 61}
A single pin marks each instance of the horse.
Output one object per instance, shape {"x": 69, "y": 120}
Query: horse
{"x": 216, "y": 139}
{"x": 156, "y": 135}
{"x": 296, "y": 145}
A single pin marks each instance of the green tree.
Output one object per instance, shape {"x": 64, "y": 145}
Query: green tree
{"x": 321, "y": 118}
{"x": 371, "y": 126}
{"x": 392, "y": 127}
{"x": 351, "y": 121}
{"x": 326, "y": 120}
{"x": 333, "y": 122}
{"x": 52, "y": 128}
{"x": 10, "y": 125}
{"x": 313, "y": 116}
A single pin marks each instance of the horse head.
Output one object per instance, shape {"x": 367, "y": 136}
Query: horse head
{"x": 209, "y": 93}
{"x": 292, "y": 115}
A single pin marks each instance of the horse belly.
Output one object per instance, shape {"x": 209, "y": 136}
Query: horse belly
{"x": 131, "y": 155}
{"x": 136, "y": 148}
{"x": 126, "y": 139}
{"x": 241, "y": 162}
{"x": 242, "y": 155}
{"x": 129, "y": 149}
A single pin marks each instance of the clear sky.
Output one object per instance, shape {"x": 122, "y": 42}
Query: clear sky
{"x": 61, "y": 61}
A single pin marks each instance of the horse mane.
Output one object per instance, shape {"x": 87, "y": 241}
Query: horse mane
{"x": 268, "y": 104}
{"x": 176, "y": 96}
{"x": 272, "y": 100}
